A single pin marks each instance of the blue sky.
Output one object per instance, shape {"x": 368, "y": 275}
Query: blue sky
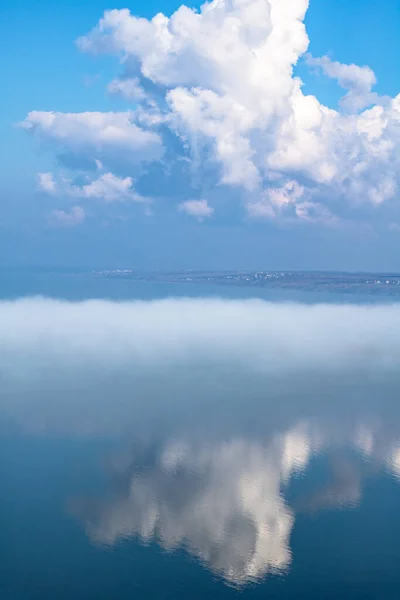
{"x": 219, "y": 162}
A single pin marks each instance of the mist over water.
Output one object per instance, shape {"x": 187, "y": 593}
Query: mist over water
{"x": 86, "y": 360}
{"x": 208, "y": 419}
{"x": 40, "y": 335}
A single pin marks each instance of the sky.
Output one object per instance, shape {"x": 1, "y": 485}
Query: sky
{"x": 238, "y": 134}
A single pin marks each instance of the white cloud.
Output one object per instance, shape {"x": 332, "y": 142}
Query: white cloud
{"x": 358, "y": 80}
{"x": 293, "y": 199}
{"x": 107, "y": 187}
{"x": 128, "y": 88}
{"x": 46, "y": 183}
{"x": 226, "y": 88}
{"x": 70, "y": 218}
{"x": 111, "y": 188}
{"x": 95, "y": 135}
{"x": 277, "y": 199}
{"x": 197, "y": 208}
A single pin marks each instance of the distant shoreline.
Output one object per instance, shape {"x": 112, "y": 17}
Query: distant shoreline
{"x": 354, "y": 283}
{"x": 384, "y": 285}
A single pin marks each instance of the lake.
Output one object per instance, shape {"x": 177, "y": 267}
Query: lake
{"x": 175, "y": 442}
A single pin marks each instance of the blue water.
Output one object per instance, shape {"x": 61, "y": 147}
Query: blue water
{"x": 194, "y": 476}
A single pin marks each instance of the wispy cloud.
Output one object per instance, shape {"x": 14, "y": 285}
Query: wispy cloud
{"x": 71, "y": 218}
{"x": 107, "y": 187}
{"x": 197, "y": 208}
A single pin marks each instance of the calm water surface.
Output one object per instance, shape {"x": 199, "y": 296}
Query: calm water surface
{"x": 197, "y": 448}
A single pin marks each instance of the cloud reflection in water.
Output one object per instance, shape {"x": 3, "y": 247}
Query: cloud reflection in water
{"x": 233, "y": 398}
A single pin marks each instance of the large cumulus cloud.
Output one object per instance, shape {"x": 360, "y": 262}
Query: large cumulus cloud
{"x": 221, "y": 81}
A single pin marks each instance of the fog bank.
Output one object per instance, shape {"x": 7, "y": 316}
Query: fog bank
{"x": 41, "y": 333}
